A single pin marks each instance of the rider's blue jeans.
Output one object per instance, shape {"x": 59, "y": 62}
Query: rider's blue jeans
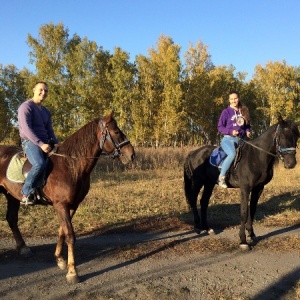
{"x": 38, "y": 160}
{"x": 228, "y": 144}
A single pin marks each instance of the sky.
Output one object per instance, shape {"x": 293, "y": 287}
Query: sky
{"x": 237, "y": 32}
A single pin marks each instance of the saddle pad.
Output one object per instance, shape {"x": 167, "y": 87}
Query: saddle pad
{"x": 14, "y": 170}
{"x": 217, "y": 157}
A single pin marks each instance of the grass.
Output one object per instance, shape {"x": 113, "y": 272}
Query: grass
{"x": 149, "y": 196}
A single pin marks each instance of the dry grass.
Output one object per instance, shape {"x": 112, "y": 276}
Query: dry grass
{"x": 148, "y": 196}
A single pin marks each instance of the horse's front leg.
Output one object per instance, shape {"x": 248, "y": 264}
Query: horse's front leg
{"x": 61, "y": 262}
{"x": 255, "y": 195}
{"x": 245, "y": 192}
{"x": 66, "y": 233}
{"x": 13, "y": 206}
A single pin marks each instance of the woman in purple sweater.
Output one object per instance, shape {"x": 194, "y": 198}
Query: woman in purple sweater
{"x": 234, "y": 123}
{"x": 36, "y": 132}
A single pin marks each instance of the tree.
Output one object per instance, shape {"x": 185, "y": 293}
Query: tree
{"x": 196, "y": 86}
{"x": 121, "y": 75}
{"x": 169, "y": 118}
{"x": 12, "y": 94}
{"x": 277, "y": 90}
{"x": 146, "y": 104}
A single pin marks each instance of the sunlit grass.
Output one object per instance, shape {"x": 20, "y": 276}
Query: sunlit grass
{"x": 149, "y": 196}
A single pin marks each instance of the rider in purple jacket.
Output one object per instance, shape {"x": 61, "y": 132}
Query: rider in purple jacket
{"x": 234, "y": 123}
{"x": 37, "y": 136}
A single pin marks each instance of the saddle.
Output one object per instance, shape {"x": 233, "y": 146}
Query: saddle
{"x": 218, "y": 155}
{"x": 17, "y": 171}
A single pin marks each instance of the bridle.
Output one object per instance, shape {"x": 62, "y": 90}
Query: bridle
{"x": 106, "y": 136}
{"x": 282, "y": 151}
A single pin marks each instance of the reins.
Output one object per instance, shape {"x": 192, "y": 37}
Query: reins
{"x": 261, "y": 149}
{"x": 280, "y": 150}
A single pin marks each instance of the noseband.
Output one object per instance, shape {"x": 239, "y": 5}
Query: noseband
{"x": 282, "y": 151}
{"x": 105, "y": 135}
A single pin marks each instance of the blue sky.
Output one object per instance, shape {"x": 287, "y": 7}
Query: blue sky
{"x": 237, "y": 32}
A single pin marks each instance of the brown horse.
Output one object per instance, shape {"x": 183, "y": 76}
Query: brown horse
{"x": 68, "y": 182}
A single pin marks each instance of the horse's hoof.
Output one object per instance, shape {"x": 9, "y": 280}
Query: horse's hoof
{"x": 210, "y": 231}
{"x": 72, "y": 278}
{"x": 245, "y": 247}
{"x": 197, "y": 230}
{"x": 25, "y": 251}
{"x": 61, "y": 263}
{"x": 252, "y": 239}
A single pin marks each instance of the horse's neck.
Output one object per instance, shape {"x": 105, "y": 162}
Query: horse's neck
{"x": 82, "y": 148}
{"x": 266, "y": 141}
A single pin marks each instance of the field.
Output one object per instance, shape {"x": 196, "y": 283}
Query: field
{"x": 147, "y": 198}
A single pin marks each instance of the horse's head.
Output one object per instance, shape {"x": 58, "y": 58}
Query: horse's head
{"x": 286, "y": 137}
{"x": 113, "y": 141}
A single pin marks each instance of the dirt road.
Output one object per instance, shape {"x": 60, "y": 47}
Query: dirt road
{"x": 170, "y": 265}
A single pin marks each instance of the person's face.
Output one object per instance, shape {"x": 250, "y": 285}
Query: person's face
{"x": 234, "y": 100}
{"x": 40, "y": 92}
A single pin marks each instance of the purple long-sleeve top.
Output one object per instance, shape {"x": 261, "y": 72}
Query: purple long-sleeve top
{"x": 228, "y": 122}
{"x": 35, "y": 123}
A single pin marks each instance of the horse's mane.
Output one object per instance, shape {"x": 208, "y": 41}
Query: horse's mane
{"x": 77, "y": 148}
{"x": 79, "y": 143}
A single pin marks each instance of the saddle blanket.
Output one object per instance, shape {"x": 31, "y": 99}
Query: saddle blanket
{"x": 217, "y": 157}
{"x": 14, "y": 170}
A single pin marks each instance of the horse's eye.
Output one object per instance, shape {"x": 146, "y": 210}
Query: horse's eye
{"x": 117, "y": 131}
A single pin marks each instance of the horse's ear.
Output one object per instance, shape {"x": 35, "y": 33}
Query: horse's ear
{"x": 279, "y": 118}
{"x": 109, "y": 117}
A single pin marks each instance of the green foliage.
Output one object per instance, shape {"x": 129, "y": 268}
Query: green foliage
{"x": 278, "y": 90}
{"x": 12, "y": 94}
{"x": 158, "y": 100}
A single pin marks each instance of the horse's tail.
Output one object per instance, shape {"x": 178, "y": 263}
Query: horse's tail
{"x": 188, "y": 180}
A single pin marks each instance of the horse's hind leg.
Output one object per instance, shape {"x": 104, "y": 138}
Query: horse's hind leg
{"x": 207, "y": 191}
{"x": 192, "y": 187}
{"x": 13, "y": 206}
{"x": 193, "y": 204}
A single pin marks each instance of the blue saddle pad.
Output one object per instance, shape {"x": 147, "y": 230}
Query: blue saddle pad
{"x": 217, "y": 157}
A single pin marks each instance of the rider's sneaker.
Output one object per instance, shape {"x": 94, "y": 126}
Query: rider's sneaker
{"x": 28, "y": 200}
{"x": 222, "y": 183}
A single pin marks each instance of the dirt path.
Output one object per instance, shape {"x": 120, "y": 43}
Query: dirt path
{"x": 155, "y": 266}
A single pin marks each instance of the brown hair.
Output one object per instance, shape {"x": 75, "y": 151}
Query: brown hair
{"x": 244, "y": 109}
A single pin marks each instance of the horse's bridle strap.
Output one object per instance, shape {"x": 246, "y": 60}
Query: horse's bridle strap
{"x": 107, "y": 136}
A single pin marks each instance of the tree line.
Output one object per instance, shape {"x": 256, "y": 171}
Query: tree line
{"x": 158, "y": 100}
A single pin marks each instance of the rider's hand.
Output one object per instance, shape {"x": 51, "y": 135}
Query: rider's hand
{"x": 248, "y": 133}
{"x": 46, "y": 148}
{"x": 235, "y": 133}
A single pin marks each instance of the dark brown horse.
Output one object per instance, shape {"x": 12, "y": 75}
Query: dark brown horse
{"x": 68, "y": 182}
{"x": 253, "y": 172}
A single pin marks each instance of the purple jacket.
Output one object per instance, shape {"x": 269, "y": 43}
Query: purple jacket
{"x": 35, "y": 124}
{"x": 228, "y": 122}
